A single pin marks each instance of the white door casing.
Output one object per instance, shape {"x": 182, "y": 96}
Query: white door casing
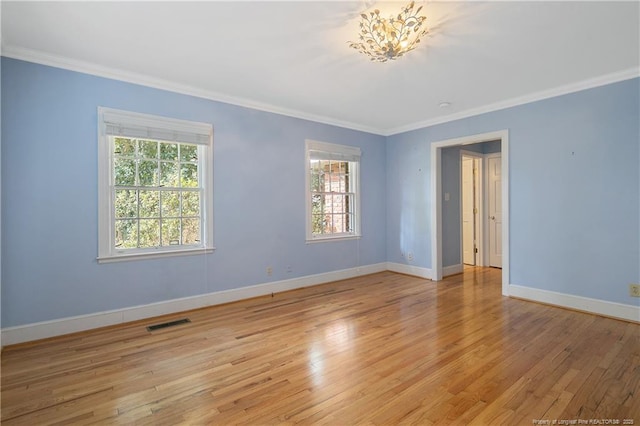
{"x": 436, "y": 196}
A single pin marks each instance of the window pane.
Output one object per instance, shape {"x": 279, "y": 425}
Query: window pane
{"x": 339, "y": 223}
{"x": 171, "y": 232}
{"x": 170, "y": 203}
{"x": 317, "y": 223}
{"x": 125, "y": 172}
{"x": 348, "y": 225}
{"x": 126, "y": 204}
{"x": 317, "y": 214}
{"x": 148, "y": 173}
{"x": 314, "y": 166}
{"x": 334, "y": 182}
{"x": 190, "y": 231}
{"x": 189, "y": 175}
{"x": 126, "y": 234}
{"x": 317, "y": 205}
{"x": 124, "y": 146}
{"x": 322, "y": 182}
{"x": 329, "y": 228}
{"x": 337, "y": 203}
{"x": 148, "y": 149}
{"x": 168, "y": 151}
{"x": 316, "y": 183}
{"x": 188, "y": 153}
{"x": 149, "y": 233}
{"x": 190, "y": 204}
{"x": 327, "y": 204}
{"x": 341, "y": 183}
{"x": 168, "y": 174}
{"x": 149, "y": 203}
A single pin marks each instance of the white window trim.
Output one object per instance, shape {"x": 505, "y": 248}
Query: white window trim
{"x": 344, "y": 150}
{"x": 173, "y": 129}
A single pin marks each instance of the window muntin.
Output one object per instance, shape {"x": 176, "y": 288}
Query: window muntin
{"x": 157, "y": 194}
{"x": 332, "y": 194}
{"x": 155, "y": 186}
{"x": 331, "y": 198}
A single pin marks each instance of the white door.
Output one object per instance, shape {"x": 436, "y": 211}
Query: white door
{"x": 494, "y": 165}
{"x": 468, "y": 210}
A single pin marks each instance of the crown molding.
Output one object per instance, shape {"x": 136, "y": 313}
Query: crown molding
{"x": 521, "y": 100}
{"x": 57, "y": 61}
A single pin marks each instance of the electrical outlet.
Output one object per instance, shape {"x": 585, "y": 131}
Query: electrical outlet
{"x": 634, "y": 290}
{"x": 269, "y": 270}
{"x": 289, "y": 269}
{"x": 410, "y": 256}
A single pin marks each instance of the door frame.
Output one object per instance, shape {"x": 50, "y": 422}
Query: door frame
{"x": 481, "y": 186}
{"x": 436, "y": 197}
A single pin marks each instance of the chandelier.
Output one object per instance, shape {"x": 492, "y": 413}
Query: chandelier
{"x": 383, "y": 39}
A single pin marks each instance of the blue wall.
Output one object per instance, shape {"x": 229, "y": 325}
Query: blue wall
{"x": 49, "y": 190}
{"x": 574, "y": 190}
{"x": 450, "y": 169}
{"x": 575, "y": 195}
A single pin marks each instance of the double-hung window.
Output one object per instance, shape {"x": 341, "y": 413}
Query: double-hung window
{"x": 333, "y": 196}
{"x": 155, "y": 178}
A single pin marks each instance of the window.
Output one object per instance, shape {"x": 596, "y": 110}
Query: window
{"x": 333, "y": 204}
{"x": 155, "y": 186}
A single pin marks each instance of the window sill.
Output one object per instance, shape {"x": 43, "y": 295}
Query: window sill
{"x": 335, "y": 238}
{"x": 154, "y": 255}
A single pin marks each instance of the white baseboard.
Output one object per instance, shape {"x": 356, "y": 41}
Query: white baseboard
{"x": 45, "y": 329}
{"x": 601, "y": 307}
{"x": 452, "y": 270}
{"x": 58, "y": 327}
{"x": 409, "y": 270}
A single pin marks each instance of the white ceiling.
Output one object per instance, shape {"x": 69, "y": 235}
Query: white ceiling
{"x": 293, "y": 57}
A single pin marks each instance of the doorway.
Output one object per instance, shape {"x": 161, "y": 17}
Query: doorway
{"x": 481, "y": 206}
{"x": 470, "y": 208}
{"x": 502, "y": 238}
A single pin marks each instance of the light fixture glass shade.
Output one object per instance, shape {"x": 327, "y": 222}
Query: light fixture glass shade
{"x": 383, "y": 39}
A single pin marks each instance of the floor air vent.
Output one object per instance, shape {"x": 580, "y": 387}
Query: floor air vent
{"x": 168, "y": 324}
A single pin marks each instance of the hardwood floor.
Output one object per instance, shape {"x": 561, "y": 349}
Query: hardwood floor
{"x": 381, "y": 349}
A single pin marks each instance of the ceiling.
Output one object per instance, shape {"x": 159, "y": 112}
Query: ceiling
{"x": 293, "y": 57}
